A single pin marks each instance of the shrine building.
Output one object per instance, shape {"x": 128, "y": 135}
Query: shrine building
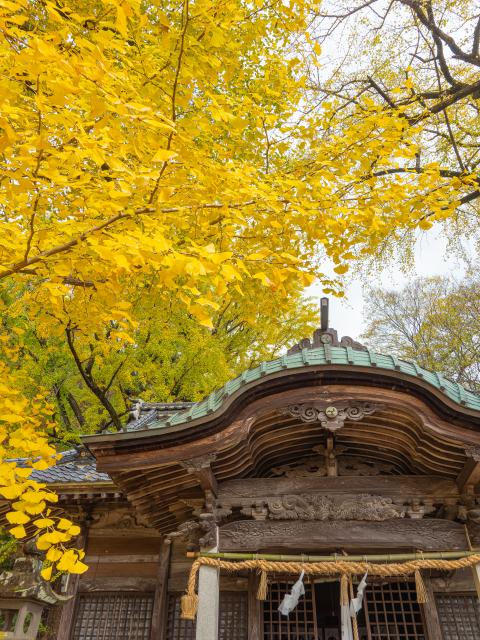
{"x": 329, "y": 453}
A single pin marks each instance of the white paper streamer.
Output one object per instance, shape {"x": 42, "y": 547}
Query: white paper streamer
{"x": 290, "y": 601}
{"x": 356, "y": 603}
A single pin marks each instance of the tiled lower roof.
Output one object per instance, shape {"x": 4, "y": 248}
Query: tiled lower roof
{"x": 74, "y": 466}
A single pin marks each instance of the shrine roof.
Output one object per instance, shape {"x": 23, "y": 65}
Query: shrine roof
{"x": 74, "y": 466}
{"x": 348, "y": 354}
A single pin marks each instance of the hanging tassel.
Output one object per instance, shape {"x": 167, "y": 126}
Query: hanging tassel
{"x": 189, "y": 606}
{"x": 422, "y": 595}
{"x": 344, "y": 591}
{"x": 262, "y": 586}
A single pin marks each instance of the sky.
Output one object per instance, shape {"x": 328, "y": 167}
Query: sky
{"x": 432, "y": 258}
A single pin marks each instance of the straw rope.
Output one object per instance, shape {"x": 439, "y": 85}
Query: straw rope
{"x": 340, "y": 567}
{"x": 356, "y": 635}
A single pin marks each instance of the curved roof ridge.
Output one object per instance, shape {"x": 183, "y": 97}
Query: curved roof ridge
{"x": 326, "y": 355}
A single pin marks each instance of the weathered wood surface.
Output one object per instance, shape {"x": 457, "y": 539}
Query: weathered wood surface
{"x": 430, "y": 613}
{"x": 254, "y": 609}
{"x": 106, "y": 546}
{"x": 92, "y": 583}
{"x": 139, "y": 450}
{"x": 469, "y": 475}
{"x": 65, "y": 620}
{"x": 301, "y": 536}
{"x": 407, "y": 434}
{"x": 405, "y": 487}
{"x": 159, "y": 613}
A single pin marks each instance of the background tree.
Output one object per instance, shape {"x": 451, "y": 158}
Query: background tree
{"x": 179, "y": 149}
{"x": 432, "y": 321}
{"x": 421, "y": 60}
{"x": 168, "y": 356}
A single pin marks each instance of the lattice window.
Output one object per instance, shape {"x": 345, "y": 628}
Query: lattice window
{"x": 113, "y": 616}
{"x": 459, "y": 616}
{"x": 233, "y": 615}
{"x": 178, "y": 629}
{"x": 301, "y": 624}
{"x": 392, "y": 612}
{"x": 232, "y": 618}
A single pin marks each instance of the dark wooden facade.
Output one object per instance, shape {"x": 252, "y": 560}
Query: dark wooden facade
{"x": 333, "y": 454}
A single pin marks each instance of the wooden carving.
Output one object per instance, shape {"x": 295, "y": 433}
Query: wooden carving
{"x": 427, "y": 535}
{"x": 345, "y": 466}
{"x": 321, "y": 507}
{"x": 331, "y": 417}
{"x": 473, "y": 452}
{"x": 197, "y": 533}
{"x": 118, "y": 519}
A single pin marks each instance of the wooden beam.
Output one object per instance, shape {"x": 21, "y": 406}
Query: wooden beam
{"x": 159, "y": 615}
{"x": 428, "y": 534}
{"x": 406, "y": 487}
{"x": 200, "y": 467}
{"x": 469, "y": 476}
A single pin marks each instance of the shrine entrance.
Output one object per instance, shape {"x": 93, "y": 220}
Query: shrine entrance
{"x": 390, "y": 612}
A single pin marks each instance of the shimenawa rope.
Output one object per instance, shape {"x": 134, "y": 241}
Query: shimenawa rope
{"x": 338, "y": 568}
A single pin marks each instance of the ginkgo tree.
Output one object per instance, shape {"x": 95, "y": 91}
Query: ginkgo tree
{"x": 175, "y": 146}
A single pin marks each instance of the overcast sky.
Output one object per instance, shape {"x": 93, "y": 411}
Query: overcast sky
{"x": 431, "y": 258}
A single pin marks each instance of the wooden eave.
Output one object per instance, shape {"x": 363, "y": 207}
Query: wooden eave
{"x": 459, "y": 421}
{"x": 419, "y": 430}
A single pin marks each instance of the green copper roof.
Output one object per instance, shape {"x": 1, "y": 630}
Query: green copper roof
{"x": 323, "y": 355}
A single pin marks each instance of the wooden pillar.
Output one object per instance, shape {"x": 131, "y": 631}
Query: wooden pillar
{"x": 65, "y": 621}
{"x": 159, "y": 614}
{"x": 476, "y": 578}
{"x": 430, "y": 613}
{"x": 208, "y": 600}
{"x": 254, "y": 609}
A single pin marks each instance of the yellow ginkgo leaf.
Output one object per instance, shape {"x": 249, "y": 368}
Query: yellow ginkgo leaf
{"x": 342, "y": 268}
{"x": 46, "y": 573}
{"x": 64, "y": 524}
{"x": 163, "y": 155}
{"x": 11, "y": 492}
{"x": 53, "y": 554}
{"x": 74, "y": 530}
{"x": 79, "y": 567}
{"x": 18, "y": 532}
{"x": 17, "y": 517}
{"x": 41, "y": 523}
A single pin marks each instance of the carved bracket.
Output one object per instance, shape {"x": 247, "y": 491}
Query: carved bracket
{"x": 331, "y": 416}
{"x": 201, "y": 468}
{"x": 473, "y": 452}
{"x": 193, "y": 465}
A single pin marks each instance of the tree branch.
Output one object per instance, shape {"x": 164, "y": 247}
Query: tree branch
{"x": 86, "y": 373}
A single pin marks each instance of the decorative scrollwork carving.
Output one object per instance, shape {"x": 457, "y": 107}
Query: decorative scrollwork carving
{"x": 346, "y": 466}
{"x": 321, "y": 507}
{"x": 331, "y": 416}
